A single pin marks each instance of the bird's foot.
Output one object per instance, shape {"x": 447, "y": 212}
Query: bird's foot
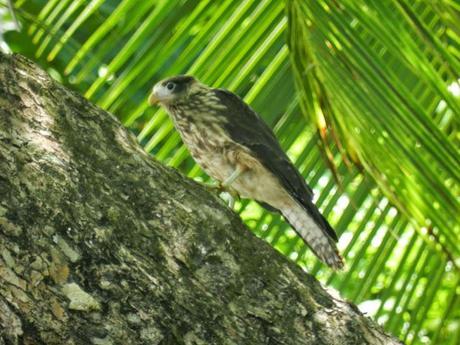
{"x": 213, "y": 188}
{"x": 230, "y": 193}
{"x": 232, "y": 196}
{"x": 233, "y": 193}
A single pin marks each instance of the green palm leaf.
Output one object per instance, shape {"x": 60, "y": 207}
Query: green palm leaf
{"x": 379, "y": 89}
{"x": 367, "y": 83}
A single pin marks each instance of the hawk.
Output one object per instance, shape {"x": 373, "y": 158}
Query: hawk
{"x": 233, "y": 145}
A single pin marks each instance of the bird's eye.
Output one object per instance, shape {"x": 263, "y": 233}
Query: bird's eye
{"x": 170, "y": 86}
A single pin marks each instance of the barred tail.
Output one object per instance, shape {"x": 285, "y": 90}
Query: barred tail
{"x": 313, "y": 235}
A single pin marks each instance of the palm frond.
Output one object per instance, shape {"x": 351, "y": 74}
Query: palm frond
{"x": 381, "y": 84}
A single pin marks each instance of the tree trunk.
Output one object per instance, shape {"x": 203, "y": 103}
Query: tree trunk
{"x": 101, "y": 244}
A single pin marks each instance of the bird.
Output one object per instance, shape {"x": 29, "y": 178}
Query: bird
{"x": 234, "y": 146}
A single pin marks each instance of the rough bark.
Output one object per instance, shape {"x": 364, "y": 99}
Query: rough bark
{"x": 101, "y": 244}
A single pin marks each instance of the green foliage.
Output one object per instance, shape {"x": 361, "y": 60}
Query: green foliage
{"x": 384, "y": 82}
{"x": 373, "y": 84}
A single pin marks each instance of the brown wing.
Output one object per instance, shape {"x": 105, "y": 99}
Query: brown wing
{"x": 247, "y": 128}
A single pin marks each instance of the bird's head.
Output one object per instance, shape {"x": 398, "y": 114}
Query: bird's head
{"x": 173, "y": 90}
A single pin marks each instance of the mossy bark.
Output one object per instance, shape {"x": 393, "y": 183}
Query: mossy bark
{"x": 101, "y": 244}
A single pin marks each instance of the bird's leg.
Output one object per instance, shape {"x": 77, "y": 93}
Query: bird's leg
{"x": 233, "y": 176}
{"x": 227, "y": 185}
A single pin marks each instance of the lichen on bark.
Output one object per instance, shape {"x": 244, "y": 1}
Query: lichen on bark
{"x": 101, "y": 244}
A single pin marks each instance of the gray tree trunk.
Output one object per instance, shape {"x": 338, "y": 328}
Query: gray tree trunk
{"x": 101, "y": 244}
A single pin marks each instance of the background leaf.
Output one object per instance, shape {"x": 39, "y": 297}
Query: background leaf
{"x": 381, "y": 79}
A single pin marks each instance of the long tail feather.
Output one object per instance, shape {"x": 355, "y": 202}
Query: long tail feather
{"x": 313, "y": 235}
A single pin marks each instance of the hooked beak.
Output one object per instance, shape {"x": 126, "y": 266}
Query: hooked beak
{"x": 153, "y": 99}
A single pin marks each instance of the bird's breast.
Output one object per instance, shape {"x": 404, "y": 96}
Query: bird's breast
{"x": 208, "y": 144}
